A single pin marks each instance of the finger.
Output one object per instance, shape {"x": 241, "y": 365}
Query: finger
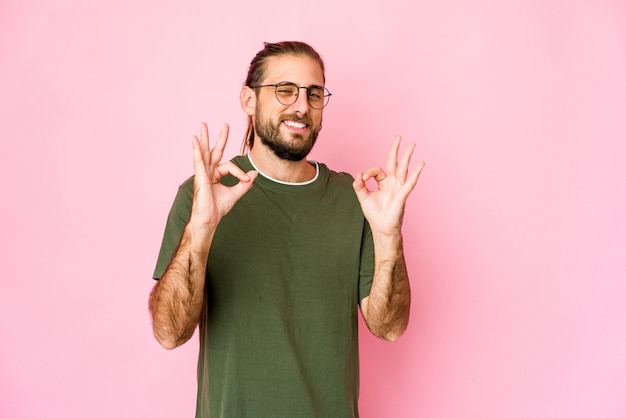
{"x": 376, "y": 173}
{"x": 199, "y": 168}
{"x": 230, "y": 168}
{"x": 403, "y": 166}
{"x": 218, "y": 151}
{"x": 204, "y": 144}
{"x": 392, "y": 156}
{"x": 412, "y": 179}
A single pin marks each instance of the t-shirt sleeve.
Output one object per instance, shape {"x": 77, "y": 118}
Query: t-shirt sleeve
{"x": 367, "y": 262}
{"x": 176, "y": 221}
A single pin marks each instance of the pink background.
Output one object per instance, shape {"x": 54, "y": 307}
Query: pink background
{"x": 515, "y": 235}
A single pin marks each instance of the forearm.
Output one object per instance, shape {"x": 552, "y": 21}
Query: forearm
{"x": 386, "y": 310}
{"x": 177, "y": 299}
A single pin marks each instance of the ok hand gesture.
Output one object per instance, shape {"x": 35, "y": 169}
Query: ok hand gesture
{"x": 384, "y": 207}
{"x": 211, "y": 199}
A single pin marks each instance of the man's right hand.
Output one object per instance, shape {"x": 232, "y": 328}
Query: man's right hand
{"x": 211, "y": 199}
{"x": 177, "y": 299}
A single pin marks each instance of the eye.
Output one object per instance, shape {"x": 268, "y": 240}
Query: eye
{"x": 286, "y": 89}
{"x": 316, "y": 93}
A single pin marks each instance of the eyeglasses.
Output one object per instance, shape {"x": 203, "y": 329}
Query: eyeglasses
{"x": 287, "y": 94}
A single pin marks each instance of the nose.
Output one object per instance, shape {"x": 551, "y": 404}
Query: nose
{"x": 301, "y": 105}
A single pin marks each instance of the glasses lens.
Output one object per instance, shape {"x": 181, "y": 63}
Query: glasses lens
{"x": 317, "y": 97}
{"x": 287, "y": 93}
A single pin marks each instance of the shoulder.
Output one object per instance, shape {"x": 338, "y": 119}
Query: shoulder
{"x": 187, "y": 185}
{"x": 338, "y": 184}
{"x": 338, "y": 178}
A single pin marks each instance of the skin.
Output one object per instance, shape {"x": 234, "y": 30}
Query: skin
{"x": 386, "y": 309}
{"x": 177, "y": 299}
{"x": 303, "y": 71}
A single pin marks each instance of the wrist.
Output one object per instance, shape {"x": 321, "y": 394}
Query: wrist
{"x": 199, "y": 236}
{"x": 388, "y": 246}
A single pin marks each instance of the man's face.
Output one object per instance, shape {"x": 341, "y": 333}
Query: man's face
{"x": 289, "y": 131}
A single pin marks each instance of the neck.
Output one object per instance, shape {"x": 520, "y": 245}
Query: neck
{"x": 280, "y": 169}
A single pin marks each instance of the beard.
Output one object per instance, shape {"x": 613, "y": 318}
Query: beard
{"x": 295, "y": 149}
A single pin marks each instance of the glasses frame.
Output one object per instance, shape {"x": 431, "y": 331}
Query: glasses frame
{"x": 308, "y": 99}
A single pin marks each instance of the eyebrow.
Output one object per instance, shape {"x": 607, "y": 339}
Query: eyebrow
{"x": 296, "y": 84}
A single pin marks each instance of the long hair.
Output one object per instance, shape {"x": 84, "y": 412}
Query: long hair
{"x": 258, "y": 65}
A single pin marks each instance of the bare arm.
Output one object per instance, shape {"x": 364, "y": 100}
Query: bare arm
{"x": 386, "y": 309}
{"x": 177, "y": 299}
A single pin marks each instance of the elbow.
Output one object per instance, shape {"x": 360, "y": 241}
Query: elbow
{"x": 169, "y": 339}
{"x": 167, "y": 343}
{"x": 390, "y": 332}
{"x": 387, "y": 329}
{"x": 167, "y": 333}
{"x": 389, "y": 335}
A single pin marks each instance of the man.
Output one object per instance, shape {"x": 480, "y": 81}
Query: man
{"x": 271, "y": 254}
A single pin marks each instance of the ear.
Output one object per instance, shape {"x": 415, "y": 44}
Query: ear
{"x": 247, "y": 98}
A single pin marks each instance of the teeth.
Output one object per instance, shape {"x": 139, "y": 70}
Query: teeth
{"x": 294, "y": 124}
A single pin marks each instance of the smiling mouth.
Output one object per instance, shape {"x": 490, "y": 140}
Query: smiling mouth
{"x": 295, "y": 125}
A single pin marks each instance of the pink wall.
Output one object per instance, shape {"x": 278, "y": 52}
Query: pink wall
{"x": 515, "y": 235}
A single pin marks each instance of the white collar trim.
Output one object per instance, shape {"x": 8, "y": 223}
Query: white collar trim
{"x": 317, "y": 173}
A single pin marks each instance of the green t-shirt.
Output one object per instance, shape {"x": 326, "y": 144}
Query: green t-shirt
{"x": 287, "y": 268}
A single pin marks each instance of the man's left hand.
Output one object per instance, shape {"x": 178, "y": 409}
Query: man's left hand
{"x": 383, "y": 207}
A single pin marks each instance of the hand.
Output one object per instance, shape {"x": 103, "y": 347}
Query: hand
{"x": 384, "y": 207}
{"x": 211, "y": 199}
